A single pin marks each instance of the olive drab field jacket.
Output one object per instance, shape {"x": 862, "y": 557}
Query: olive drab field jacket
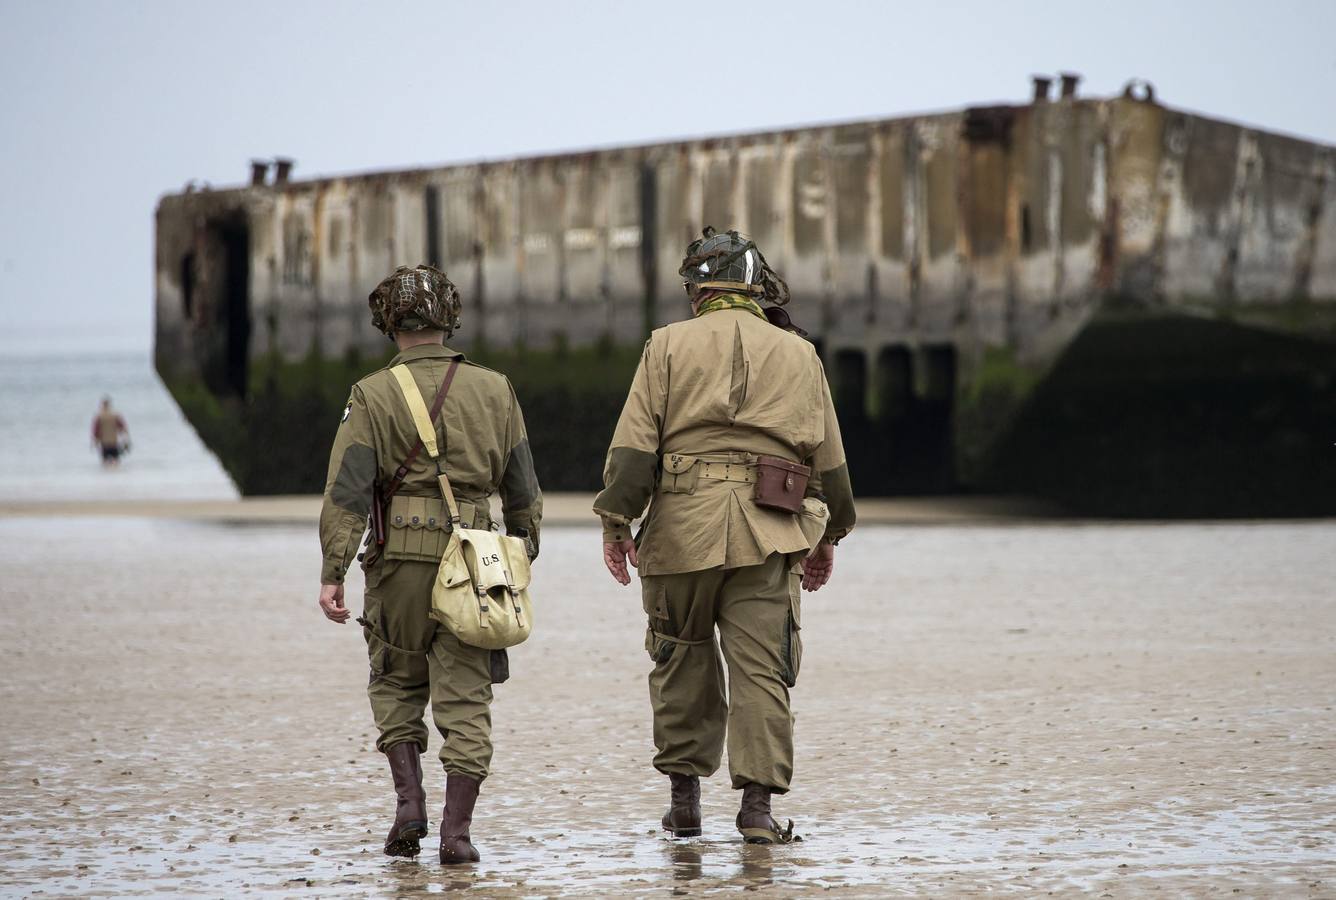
{"x": 484, "y": 447}
{"x": 725, "y": 386}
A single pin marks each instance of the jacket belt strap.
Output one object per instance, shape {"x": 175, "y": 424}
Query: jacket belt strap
{"x": 718, "y": 471}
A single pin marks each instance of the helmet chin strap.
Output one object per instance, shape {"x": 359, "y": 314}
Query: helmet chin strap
{"x": 729, "y": 287}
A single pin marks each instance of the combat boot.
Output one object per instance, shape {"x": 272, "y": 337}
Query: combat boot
{"x": 461, "y": 793}
{"x": 683, "y": 816}
{"x": 756, "y": 823}
{"x": 410, "y": 813}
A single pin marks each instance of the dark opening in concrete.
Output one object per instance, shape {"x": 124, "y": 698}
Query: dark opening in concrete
{"x": 235, "y": 237}
{"x": 215, "y": 290}
{"x": 898, "y": 440}
{"x": 431, "y": 201}
{"x": 895, "y": 384}
{"x": 188, "y": 286}
{"x": 850, "y": 386}
{"x": 924, "y": 445}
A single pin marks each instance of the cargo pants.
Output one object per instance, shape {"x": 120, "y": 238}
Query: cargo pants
{"x": 756, "y": 610}
{"x": 414, "y": 661}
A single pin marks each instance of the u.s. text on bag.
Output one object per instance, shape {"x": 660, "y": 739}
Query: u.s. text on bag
{"x": 482, "y": 590}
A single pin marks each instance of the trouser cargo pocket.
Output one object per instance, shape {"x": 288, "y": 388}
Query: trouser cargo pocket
{"x": 659, "y": 648}
{"x": 791, "y": 642}
{"x": 377, "y": 651}
{"x": 385, "y": 657}
{"x": 659, "y": 643}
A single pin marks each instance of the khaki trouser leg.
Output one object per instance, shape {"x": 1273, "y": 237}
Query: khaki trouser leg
{"x": 686, "y": 686}
{"x": 414, "y": 661}
{"x": 758, "y": 621}
{"x": 397, "y": 640}
{"x": 461, "y": 688}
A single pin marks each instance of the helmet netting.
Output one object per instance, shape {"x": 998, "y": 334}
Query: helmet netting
{"x": 415, "y": 299}
{"x": 716, "y": 257}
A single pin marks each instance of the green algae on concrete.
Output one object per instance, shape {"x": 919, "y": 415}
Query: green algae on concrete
{"x": 1180, "y": 416}
{"x": 277, "y": 439}
{"x": 986, "y": 405}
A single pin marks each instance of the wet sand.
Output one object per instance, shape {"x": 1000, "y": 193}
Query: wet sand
{"x": 558, "y": 509}
{"x": 1025, "y": 708}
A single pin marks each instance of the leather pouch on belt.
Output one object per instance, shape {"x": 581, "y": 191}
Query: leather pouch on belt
{"x": 416, "y": 528}
{"x": 680, "y": 474}
{"x": 780, "y": 484}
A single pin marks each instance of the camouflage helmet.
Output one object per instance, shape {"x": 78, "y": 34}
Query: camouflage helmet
{"x": 415, "y": 299}
{"x": 731, "y": 262}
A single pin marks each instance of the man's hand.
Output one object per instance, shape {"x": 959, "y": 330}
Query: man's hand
{"x": 615, "y": 555}
{"x": 818, "y": 567}
{"x": 331, "y": 603}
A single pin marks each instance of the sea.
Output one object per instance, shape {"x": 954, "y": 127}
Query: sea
{"x": 47, "y": 405}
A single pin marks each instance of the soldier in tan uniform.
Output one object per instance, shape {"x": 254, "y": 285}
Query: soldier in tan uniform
{"x": 376, "y": 470}
{"x": 717, "y": 399}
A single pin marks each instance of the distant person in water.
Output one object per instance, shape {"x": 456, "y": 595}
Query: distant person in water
{"x": 108, "y": 427}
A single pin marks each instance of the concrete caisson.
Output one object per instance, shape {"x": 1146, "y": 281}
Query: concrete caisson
{"x": 951, "y": 268}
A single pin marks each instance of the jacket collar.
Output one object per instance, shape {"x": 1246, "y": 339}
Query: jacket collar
{"x": 425, "y": 351}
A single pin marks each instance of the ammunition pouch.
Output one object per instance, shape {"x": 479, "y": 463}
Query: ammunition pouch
{"x": 418, "y": 528}
{"x": 679, "y": 474}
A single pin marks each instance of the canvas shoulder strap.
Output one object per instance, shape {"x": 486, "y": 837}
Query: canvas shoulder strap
{"x": 425, "y": 422}
{"x": 421, "y": 418}
{"x": 402, "y": 472}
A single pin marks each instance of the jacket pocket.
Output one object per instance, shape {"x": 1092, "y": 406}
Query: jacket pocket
{"x": 812, "y": 519}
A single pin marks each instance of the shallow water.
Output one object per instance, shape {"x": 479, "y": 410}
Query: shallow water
{"x": 47, "y": 404}
{"x": 1117, "y": 709}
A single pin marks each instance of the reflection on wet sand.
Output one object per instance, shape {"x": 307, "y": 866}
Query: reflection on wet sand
{"x": 758, "y": 864}
{"x": 684, "y": 858}
{"x": 1025, "y": 708}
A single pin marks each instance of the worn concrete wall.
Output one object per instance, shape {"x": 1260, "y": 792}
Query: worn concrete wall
{"x": 942, "y": 263}
{"x": 997, "y": 227}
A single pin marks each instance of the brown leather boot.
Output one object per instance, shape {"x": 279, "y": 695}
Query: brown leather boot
{"x": 756, "y": 823}
{"x": 683, "y": 816}
{"x": 461, "y": 793}
{"x": 410, "y": 814}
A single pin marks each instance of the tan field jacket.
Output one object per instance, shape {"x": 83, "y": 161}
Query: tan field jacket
{"x": 725, "y": 386}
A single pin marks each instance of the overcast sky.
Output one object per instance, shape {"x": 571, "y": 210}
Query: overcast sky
{"x": 104, "y": 106}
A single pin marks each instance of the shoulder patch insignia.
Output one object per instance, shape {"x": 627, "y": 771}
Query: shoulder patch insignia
{"x": 346, "y": 410}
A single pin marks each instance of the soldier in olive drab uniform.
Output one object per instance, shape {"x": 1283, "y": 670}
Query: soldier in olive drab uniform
{"x": 711, "y": 395}
{"x": 413, "y": 659}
